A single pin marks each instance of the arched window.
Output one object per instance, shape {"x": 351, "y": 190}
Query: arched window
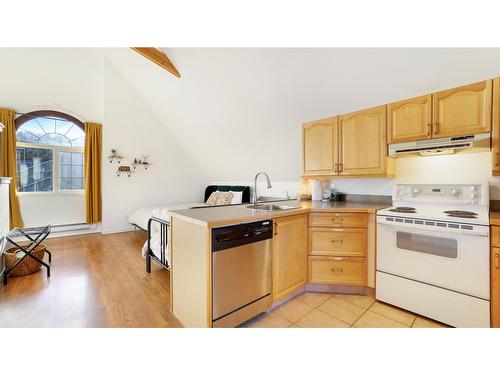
{"x": 49, "y": 152}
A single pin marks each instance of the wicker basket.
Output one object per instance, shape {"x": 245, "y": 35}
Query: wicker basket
{"x": 28, "y": 265}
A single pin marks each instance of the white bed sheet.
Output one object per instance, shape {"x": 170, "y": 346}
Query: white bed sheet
{"x": 142, "y": 216}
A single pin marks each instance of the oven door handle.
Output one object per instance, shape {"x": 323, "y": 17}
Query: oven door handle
{"x": 433, "y": 229}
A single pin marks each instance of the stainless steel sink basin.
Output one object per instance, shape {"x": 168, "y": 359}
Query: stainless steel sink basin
{"x": 270, "y": 207}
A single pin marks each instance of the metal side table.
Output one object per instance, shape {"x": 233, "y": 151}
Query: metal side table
{"x": 34, "y": 236}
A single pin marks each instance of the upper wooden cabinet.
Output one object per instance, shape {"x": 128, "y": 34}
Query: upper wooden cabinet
{"x": 289, "y": 255}
{"x": 462, "y": 110}
{"x": 495, "y": 132}
{"x": 363, "y": 143}
{"x": 320, "y": 146}
{"x": 409, "y": 120}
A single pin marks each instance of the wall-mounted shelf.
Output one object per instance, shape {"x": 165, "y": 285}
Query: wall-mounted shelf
{"x": 124, "y": 169}
{"x": 143, "y": 162}
{"x": 115, "y": 157}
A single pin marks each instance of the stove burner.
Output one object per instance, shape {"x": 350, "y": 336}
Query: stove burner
{"x": 407, "y": 210}
{"x": 462, "y": 214}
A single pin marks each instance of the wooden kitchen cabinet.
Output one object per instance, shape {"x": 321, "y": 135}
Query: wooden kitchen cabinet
{"x": 289, "y": 255}
{"x": 338, "y": 270}
{"x": 338, "y": 248}
{"x": 495, "y": 128}
{"x": 338, "y": 241}
{"x": 363, "y": 142}
{"x": 338, "y": 220}
{"x": 495, "y": 287}
{"x": 320, "y": 147}
{"x": 463, "y": 110}
{"x": 409, "y": 120}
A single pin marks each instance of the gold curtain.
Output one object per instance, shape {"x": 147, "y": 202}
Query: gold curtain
{"x": 93, "y": 153}
{"x": 8, "y": 164}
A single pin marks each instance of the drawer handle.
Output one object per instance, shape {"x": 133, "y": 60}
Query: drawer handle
{"x": 497, "y": 260}
{"x": 337, "y": 218}
{"x": 337, "y": 270}
{"x": 337, "y": 241}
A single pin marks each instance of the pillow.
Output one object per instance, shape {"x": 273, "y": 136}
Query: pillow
{"x": 224, "y": 198}
{"x": 237, "y": 197}
{"x": 218, "y": 198}
{"x": 212, "y": 199}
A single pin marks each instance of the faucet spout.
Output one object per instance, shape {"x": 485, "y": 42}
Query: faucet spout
{"x": 255, "y": 195}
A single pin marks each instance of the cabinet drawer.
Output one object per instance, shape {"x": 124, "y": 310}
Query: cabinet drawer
{"x": 337, "y": 270}
{"x": 338, "y": 220}
{"x": 495, "y": 235}
{"x": 338, "y": 241}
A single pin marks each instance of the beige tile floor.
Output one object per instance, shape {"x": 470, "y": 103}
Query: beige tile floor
{"x": 325, "y": 310}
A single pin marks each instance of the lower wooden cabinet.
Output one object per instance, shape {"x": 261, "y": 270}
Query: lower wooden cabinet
{"x": 338, "y": 242}
{"x": 495, "y": 287}
{"x": 338, "y": 270}
{"x": 289, "y": 255}
{"x": 338, "y": 220}
{"x": 338, "y": 248}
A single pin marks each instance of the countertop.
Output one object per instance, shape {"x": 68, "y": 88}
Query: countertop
{"x": 494, "y": 218}
{"x": 213, "y": 217}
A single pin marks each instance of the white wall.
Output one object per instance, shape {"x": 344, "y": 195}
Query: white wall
{"x": 133, "y": 130}
{"x": 68, "y": 80}
{"x": 84, "y": 83}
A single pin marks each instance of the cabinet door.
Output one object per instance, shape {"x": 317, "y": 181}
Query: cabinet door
{"x": 363, "y": 143}
{"x": 289, "y": 255}
{"x": 320, "y": 147}
{"x": 462, "y": 110}
{"x": 495, "y": 287}
{"x": 409, "y": 120}
{"x": 495, "y": 131}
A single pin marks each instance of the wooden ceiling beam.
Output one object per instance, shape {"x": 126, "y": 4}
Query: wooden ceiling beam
{"x": 158, "y": 57}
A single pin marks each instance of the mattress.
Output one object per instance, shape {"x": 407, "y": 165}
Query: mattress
{"x": 141, "y": 217}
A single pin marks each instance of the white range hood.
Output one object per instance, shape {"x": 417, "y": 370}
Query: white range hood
{"x": 441, "y": 146}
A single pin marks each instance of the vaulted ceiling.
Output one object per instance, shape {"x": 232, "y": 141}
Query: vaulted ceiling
{"x": 237, "y": 111}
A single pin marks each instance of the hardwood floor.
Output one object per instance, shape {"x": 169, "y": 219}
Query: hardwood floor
{"x": 96, "y": 281}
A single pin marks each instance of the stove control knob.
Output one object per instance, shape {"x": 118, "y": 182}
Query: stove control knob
{"x": 415, "y": 191}
{"x": 455, "y": 191}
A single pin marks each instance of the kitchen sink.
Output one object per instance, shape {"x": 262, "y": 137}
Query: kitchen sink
{"x": 270, "y": 207}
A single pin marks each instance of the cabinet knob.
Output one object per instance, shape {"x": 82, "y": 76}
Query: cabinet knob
{"x": 497, "y": 260}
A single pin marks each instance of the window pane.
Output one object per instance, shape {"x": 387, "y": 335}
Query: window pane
{"x": 72, "y": 173}
{"x": 51, "y": 131}
{"x": 34, "y": 169}
{"x": 55, "y": 140}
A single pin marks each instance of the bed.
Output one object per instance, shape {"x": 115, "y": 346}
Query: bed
{"x": 155, "y": 221}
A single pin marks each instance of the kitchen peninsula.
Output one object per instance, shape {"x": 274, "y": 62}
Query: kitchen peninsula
{"x": 327, "y": 246}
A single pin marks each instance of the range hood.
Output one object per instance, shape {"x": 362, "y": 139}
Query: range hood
{"x": 441, "y": 146}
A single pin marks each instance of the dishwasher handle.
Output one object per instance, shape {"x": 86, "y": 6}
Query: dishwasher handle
{"x": 241, "y": 234}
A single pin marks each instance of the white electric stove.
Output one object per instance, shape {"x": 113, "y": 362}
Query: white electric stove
{"x": 433, "y": 252}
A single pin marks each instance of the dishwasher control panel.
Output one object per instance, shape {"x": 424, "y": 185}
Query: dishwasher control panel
{"x": 241, "y": 234}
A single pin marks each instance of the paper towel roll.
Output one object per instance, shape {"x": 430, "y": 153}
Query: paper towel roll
{"x": 316, "y": 190}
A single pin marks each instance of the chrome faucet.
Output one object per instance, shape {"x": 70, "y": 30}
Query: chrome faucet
{"x": 255, "y": 196}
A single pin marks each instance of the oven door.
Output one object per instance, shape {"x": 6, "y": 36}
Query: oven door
{"x": 454, "y": 261}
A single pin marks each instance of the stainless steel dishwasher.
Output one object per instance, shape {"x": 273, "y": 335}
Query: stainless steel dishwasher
{"x": 241, "y": 272}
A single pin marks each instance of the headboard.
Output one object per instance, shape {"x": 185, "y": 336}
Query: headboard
{"x": 245, "y": 189}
